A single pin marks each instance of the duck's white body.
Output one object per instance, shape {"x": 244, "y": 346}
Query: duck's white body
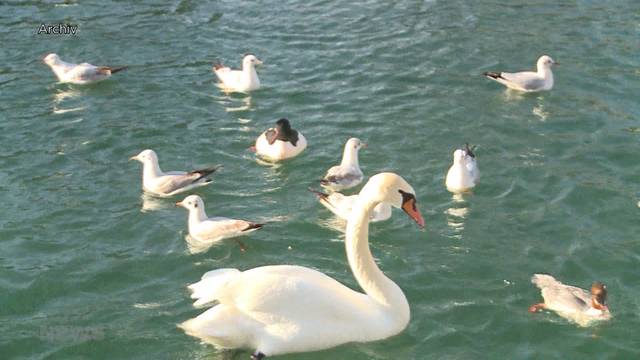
{"x": 279, "y": 150}
{"x": 348, "y": 173}
{"x": 287, "y": 309}
{"x": 528, "y": 81}
{"x": 463, "y": 175}
{"x": 159, "y": 183}
{"x": 570, "y": 302}
{"x": 243, "y": 80}
{"x": 341, "y": 206}
{"x": 84, "y": 73}
{"x": 211, "y": 230}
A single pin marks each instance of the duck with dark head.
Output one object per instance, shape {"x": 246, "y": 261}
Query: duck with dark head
{"x": 280, "y": 142}
{"x": 572, "y": 303}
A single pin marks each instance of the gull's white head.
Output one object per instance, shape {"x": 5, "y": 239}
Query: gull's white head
{"x": 250, "y": 60}
{"x": 458, "y": 156}
{"x": 51, "y": 59}
{"x": 146, "y": 156}
{"x": 545, "y": 62}
{"x": 191, "y": 202}
{"x": 392, "y": 189}
{"x": 355, "y": 143}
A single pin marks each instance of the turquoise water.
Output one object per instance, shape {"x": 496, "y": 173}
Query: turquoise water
{"x": 86, "y": 273}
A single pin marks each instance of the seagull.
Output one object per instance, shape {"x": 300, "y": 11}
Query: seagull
{"x": 243, "y": 80}
{"x": 84, "y": 73}
{"x": 528, "y": 81}
{"x": 463, "y": 175}
{"x": 213, "y": 229}
{"x": 348, "y": 173}
{"x": 572, "y": 303}
{"x": 341, "y": 205}
{"x": 281, "y": 142}
{"x": 162, "y": 184}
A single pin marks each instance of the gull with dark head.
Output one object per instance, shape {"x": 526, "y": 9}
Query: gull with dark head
{"x": 159, "y": 183}
{"x": 527, "y": 81}
{"x": 84, "y": 73}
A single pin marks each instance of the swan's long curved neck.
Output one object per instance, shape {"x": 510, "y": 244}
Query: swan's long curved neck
{"x": 369, "y": 276}
{"x": 350, "y": 157}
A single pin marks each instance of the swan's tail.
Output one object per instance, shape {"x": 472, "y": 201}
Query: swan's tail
{"x": 207, "y": 290}
{"x": 222, "y": 325}
{"x": 543, "y": 280}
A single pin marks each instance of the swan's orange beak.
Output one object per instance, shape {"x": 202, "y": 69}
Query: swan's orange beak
{"x": 179, "y": 203}
{"x": 409, "y": 206}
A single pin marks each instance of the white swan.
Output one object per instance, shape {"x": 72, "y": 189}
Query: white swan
{"x": 162, "y": 184}
{"x": 287, "y": 309}
{"x": 464, "y": 174}
{"x": 281, "y": 142}
{"x": 84, "y": 73}
{"x": 211, "y": 230}
{"x": 572, "y": 303}
{"x": 243, "y": 80}
{"x": 527, "y": 81}
{"x": 348, "y": 173}
{"x": 342, "y": 205}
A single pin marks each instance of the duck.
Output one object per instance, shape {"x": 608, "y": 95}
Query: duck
{"x": 284, "y": 309}
{"x": 280, "y": 143}
{"x": 81, "y": 74}
{"x": 243, "y": 80}
{"x": 463, "y": 175}
{"x": 572, "y": 303}
{"x": 528, "y": 81}
{"x": 211, "y": 230}
{"x": 341, "y": 205}
{"x": 158, "y": 183}
{"x": 348, "y": 173}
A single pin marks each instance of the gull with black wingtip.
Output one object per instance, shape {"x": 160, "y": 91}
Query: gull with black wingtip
{"x": 242, "y": 80}
{"x": 159, "y": 183}
{"x": 212, "y": 230}
{"x": 348, "y": 173}
{"x": 463, "y": 175}
{"x": 527, "y": 81}
{"x": 84, "y": 73}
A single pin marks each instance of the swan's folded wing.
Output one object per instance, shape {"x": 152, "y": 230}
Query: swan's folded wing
{"x": 283, "y": 292}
